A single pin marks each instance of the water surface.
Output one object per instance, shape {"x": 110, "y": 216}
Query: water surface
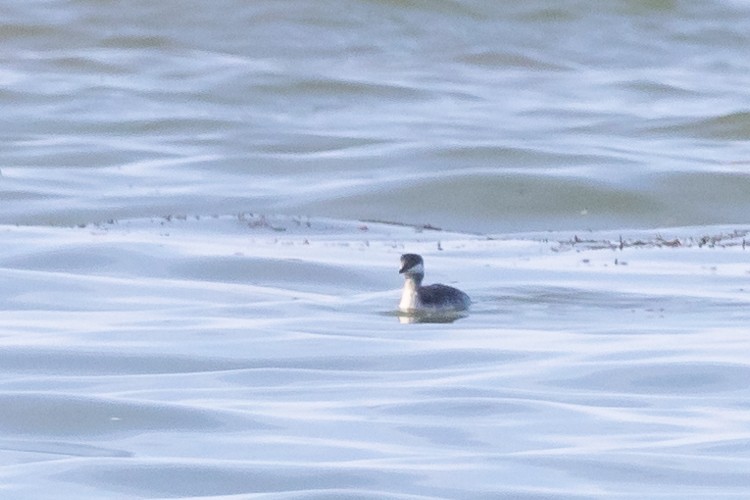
{"x": 466, "y": 115}
{"x": 202, "y": 208}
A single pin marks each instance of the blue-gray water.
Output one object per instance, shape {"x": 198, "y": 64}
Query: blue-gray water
{"x": 480, "y": 116}
{"x": 196, "y": 299}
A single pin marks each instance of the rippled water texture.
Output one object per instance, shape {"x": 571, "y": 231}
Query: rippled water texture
{"x": 477, "y": 116}
{"x": 203, "y": 205}
{"x": 222, "y": 356}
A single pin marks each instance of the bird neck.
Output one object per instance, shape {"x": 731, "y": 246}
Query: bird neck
{"x": 415, "y": 278}
{"x": 409, "y": 297}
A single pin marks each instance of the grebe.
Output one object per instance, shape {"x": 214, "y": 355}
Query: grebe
{"x": 431, "y": 299}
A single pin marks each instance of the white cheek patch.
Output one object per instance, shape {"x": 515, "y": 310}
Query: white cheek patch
{"x": 418, "y": 269}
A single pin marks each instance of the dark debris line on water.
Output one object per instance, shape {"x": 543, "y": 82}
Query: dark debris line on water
{"x": 733, "y": 239}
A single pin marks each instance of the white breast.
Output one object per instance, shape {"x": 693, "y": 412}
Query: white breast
{"x": 409, "y": 297}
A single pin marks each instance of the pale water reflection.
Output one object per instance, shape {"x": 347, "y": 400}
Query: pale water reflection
{"x": 192, "y": 288}
{"x": 428, "y": 317}
{"x": 139, "y": 376}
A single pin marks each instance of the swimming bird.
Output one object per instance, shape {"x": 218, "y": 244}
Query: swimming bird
{"x": 432, "y": 298}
